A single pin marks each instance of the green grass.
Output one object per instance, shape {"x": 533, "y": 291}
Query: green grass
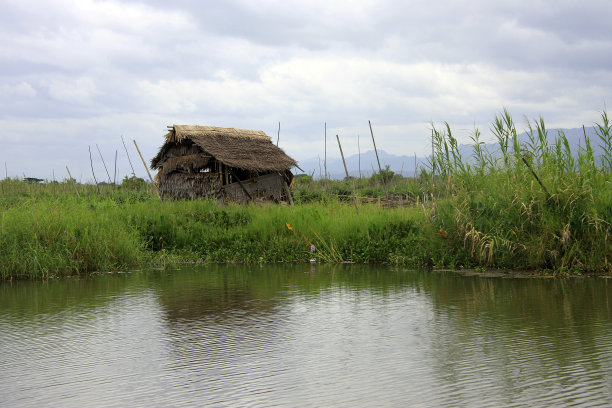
{"x": 532, "y": 206}
{"x": 537, "y": 206}
{"x": 71, "y": 236}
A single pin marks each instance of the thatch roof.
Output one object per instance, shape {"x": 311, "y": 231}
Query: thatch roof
{"x": 243, "y": 149}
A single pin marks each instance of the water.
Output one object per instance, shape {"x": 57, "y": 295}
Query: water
{"x": 227, "y": 335}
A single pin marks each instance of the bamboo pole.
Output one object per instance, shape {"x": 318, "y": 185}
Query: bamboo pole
{"x": 102, "y": 158}
{"x": 147, "y": 169}
{"x": 71, "y": 178}
{"x": 128, "y": 156}
{"x": 325, "y": 157}
{"x": 278, "y": 134}
{"x": 359, "y": 154}
{"x": 287, "y": 191}
{"x": 92, "y": 170}
{"x": 377, "y": 159}
{"x": 375, "y": 150}
{"x": 115, "y": 175}
{"x": 250, "y": 197}
{"x": 143, "y": 162}
{"x": 285, "y": 187}
{"x": 347, "y": 174}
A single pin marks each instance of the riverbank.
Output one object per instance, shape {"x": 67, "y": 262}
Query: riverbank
{"x": 70, "y": 236}
{"x": 47, "y": 237}
{"x": 535, "y": 206}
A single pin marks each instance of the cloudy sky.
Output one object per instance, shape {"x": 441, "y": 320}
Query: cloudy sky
{"x": 76, "y": 73}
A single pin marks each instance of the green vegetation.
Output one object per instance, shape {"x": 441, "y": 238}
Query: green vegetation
{"x": 534, "y": 206}
{"x": 41, "y": 237}
{"x": 538, "y": 206}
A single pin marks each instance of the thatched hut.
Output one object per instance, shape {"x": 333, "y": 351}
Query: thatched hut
{"x": 224, "y": 163}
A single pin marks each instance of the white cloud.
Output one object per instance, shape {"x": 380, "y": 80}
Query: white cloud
{"x": 79, "y": 90}
{"x": 21, "y": 90}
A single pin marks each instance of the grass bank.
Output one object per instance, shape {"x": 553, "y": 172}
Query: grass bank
{"x": 69, "y": 236}
{"x": 532, "y": 204}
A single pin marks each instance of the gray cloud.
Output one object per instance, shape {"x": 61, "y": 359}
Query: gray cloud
{"x": 77, "y": 73}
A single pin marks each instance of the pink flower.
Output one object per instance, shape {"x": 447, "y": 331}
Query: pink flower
{"x": 312, "y": 248}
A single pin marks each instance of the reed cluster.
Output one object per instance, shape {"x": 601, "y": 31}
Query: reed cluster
{"x": 535, "y": 204}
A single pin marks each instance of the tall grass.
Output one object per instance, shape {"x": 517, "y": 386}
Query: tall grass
{"x": 280, "y": 233}
{"x": 48, "y": 238}
{"x": 42, "y": 237}
{"x": 536, "y": 205}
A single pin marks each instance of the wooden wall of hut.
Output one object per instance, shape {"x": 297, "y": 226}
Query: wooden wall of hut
{"x": 267, "y": 187}
{"x": 190, "y": 186}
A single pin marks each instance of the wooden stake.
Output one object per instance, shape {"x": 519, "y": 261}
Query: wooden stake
{"x": 128, "y": 156}
{"x": 75, "y": 188}
{"x": 278, "y": 134}
{"x": 249, "y": 197}
{"x": 325, "y": 160}
{"x": 359, "y": 154}
{"x": 375, "y": 150}
{"x": 92, "y": 170}
{"x": 143, "y": 162}
{"x": 325, "y": 157}
{"x": 102, "y": 158}
{"x": 347, "y": 174}
{"x": 287, "y": 191}
{"x": 147, "y": 169}
{"x": 115, "y": 175}
{"x": 377, "y": 159}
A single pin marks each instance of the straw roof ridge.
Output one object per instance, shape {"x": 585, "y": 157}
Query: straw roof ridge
{"x": 244, "y": 149}
{"x": 181, "y": 132}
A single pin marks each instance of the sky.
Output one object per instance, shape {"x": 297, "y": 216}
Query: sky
{"x": 80, "y": 74}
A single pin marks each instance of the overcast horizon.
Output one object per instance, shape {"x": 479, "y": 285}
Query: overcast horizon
{"x": 75, "y": 74}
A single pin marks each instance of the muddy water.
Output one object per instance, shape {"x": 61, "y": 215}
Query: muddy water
{"x": 302, "y": 335}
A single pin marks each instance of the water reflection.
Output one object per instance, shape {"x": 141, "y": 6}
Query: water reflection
{"x": 305, "y": 335}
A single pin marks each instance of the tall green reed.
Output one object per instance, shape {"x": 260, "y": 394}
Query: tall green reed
{"x": 497, "y": 214}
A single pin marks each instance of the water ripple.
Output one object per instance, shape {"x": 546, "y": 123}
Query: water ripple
{"x": 411, "y": 344}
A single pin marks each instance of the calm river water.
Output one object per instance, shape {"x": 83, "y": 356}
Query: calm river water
{"x": 305, "y": 335}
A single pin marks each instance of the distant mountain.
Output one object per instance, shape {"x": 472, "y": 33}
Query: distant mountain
{"x": 405, "y": 165}
{"x": 367, "y": 163}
